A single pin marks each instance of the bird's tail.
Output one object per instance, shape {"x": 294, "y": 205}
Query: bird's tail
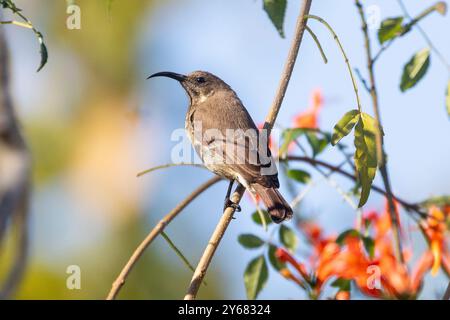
{"x": 277, "y": 207}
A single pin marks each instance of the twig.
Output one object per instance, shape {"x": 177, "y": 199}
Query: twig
{"x": 336, "y": 38}
{"x": 207, "y": 256}
{"x": 289, "y": 66}
{"x": 18, "y": 23}
{"x": 363, "y": 81}
{"x": 213, "y": 243}
{"x": 427, "y": 39}
{"x": 120, "y": 280}
{"x": 414, "y": 22}
{"x": 178, "y": 252}
{"x": 379, "y": 139}
{"x": 168, "y": 165}
{"x": 319, "y": 46}
{"x": 43, "y": 49}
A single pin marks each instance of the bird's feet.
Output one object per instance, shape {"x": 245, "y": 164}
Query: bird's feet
{"x": 229, "y": 203}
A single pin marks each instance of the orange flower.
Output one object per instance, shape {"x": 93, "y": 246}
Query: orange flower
{"x": 434, "y": 229}
{"x": 342, "y": 295}
{"x": 379, "y": 275}
{"x": 314, "y": 235}
{"x": 284, "y": 256}
{"x": 308, "y": 119}
{"x": 286, "y": 273}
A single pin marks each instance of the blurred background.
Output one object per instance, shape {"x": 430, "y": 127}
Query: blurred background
{"x": 93, "y": 122}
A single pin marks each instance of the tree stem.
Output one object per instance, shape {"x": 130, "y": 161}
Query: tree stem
{"x": 379, "y": 138}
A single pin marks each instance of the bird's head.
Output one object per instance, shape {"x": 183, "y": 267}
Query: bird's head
{"x": 199, "y": 85}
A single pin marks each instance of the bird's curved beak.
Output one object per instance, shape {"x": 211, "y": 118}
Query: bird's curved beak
{"x": 173, "y": 75}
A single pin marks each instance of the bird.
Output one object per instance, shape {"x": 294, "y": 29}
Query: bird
{"x": 227, "y": 140}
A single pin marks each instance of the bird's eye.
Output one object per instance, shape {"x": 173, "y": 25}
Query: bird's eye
{"x": 200, "y": 80}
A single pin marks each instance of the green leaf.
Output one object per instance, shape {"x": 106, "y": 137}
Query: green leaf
{"x": 415, "y": 69}
{"x": 298, "y": 175}
{"x": 439, "y": 201}
{"x": 276, "y": 10}
{"x": 342, "y": 284}
{"x": 257, "y": 218}
{"x": 447, "y": 99}
{"x": 369, "y": 245}
{"x": 255, "y": 277}
{"x": 366, "y": 161}
{"x": 44, "y": 53}
{"x": 288, "y": 238}
{"x": 317, "y": 144}
{"x": 250, "y": 241}
{"x": 344, "y": 126}
{"x": 274, "y": 261}
{"x": 347, "y": 233}
{"x": 368, "y": 242}
{"x": 288, "y": 136}
{"x": 389, "y": 29}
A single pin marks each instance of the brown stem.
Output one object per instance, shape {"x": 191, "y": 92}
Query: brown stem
{"x": 208, "y": 254}
{"x": 379, "y": 138}
{"x": 211, "y": 248}
{"x": 120, "y": 280}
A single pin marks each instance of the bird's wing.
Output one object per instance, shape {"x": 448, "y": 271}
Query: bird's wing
{"x": 227, "y": 136}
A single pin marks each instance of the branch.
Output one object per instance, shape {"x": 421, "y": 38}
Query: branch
{"x": 379, "y": 138}
{"x": 289, "y": 66}
{"x": 211, "y": 248}
{"x": 169, "y": 165}
{"x": 441, "y": 8}
{"x": 341, "y": 48}
{"x": 314, "y": 162}
{"x": 158, "y": 229}
{"x": 221, "y": 227}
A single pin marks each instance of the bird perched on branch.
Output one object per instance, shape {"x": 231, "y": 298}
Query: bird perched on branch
{"x": 228, "y": 141}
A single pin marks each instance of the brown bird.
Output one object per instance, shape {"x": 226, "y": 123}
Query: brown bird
{"x": 228, "y": 141}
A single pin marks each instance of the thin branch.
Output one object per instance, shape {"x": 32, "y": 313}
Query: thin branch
{"x": 363, "y": 81}
{"x": 440, "y": 6}
{"x": 208, "y": 254}
{"x": 379, "y": 138}
{"x": 29, "y": 25}
{"x": 314, "y": 162}
{"x": 120, "y": 280}
{"x": 178, "y": 252}
{"x": 336, "y": 38}
{"x": 211, "y": 248}
{"x": 319, "y": 46}
{"x": 414, "y": 22}
{"x": 289, "y": 66}
{"x": 18, "y": 23}
{"x": 169, "y": 165}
